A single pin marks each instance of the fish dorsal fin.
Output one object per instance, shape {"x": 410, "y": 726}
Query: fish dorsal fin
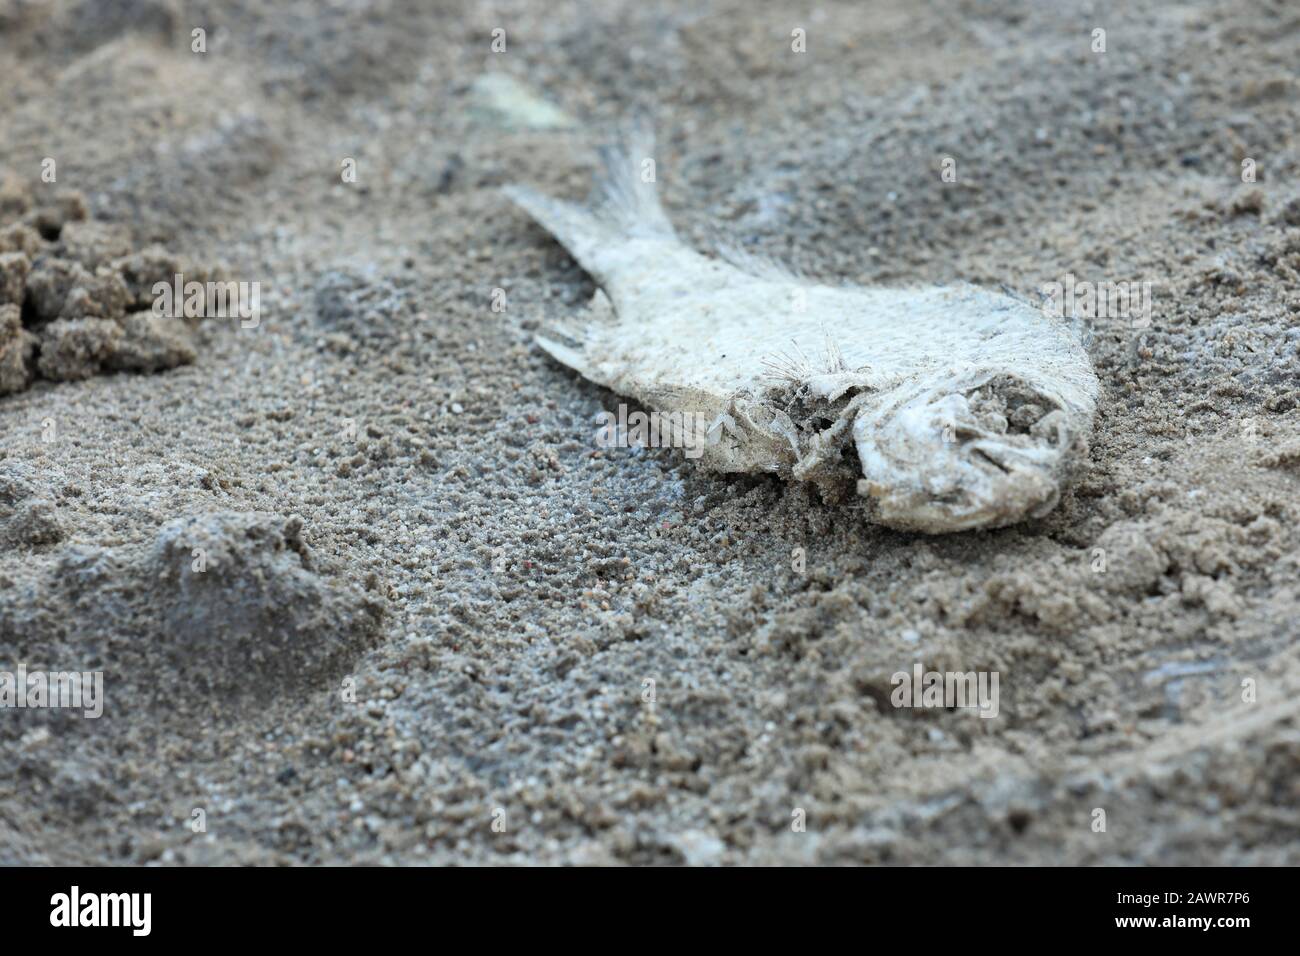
{"x": 760, "y": 266}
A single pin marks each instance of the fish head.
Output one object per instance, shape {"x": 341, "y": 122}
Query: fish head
{"x": 982, "y": 448}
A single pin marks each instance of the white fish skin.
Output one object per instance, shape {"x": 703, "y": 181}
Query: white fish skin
{"x": 966, "y": 408}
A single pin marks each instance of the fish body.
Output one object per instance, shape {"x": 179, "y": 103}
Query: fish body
{"x": 950, "y": 408}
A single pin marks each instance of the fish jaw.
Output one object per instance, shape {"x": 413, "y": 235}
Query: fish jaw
{"x": 941, "y": 456}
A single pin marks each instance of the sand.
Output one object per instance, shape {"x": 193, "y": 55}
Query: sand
{"x": 362, "y": 586}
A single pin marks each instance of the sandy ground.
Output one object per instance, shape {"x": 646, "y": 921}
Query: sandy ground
{"x": 432, "y": 608}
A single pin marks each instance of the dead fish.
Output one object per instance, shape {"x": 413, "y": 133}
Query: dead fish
{"x": 948, "y": 408}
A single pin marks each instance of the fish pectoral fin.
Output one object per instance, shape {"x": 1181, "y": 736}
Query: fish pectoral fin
{"x": 681, "y": 398}
{"x": 664, "y": 396}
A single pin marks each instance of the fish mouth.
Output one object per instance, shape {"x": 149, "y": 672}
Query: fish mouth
{"x": 982, "y": 449}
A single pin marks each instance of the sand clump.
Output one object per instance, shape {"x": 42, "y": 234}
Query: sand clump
{"x": 26, "y": 516}
{"x": 240, "y": 596}
{"x": 221, "y": 608}
{"x": 76, "y": 297}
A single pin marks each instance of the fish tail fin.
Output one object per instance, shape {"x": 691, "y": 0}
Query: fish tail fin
{"x": 626, "y": 205}
{"x": 628, "y": 198}
{"x": 579, "y": 230}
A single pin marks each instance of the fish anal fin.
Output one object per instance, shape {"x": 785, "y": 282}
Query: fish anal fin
{"x": 565, "y": 354}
